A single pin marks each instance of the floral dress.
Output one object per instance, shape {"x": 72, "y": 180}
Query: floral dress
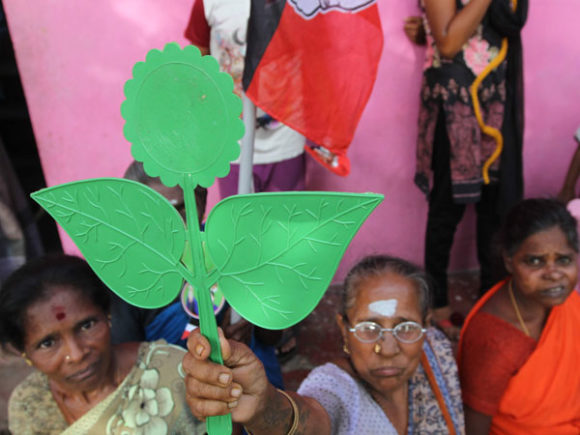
{"x": 151, "y": 400}
{"x": 445, "y": 86}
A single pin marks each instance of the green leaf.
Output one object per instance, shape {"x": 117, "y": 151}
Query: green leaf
{"x": 129, "y": 234}
{"x": 276, "y": 253}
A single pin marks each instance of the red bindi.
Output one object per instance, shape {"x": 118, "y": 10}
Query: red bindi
{"x": 59, "y": 312}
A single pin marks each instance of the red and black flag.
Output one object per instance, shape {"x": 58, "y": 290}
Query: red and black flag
{"x": 311, "y": 64}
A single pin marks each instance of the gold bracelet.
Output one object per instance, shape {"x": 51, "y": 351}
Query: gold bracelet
{"x": 295, "y": 411}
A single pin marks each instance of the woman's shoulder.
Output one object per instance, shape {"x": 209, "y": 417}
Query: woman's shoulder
{"x": 489, "y": 329}
{"x": 339, "y": 369}
{"x": 334, "y": 377}
{"x": 490, "y": 337}
{"x": 158, "y": 359}
{"x": 33, "y": 388}
{"x": 164, "y": 358}
{"x": 35, "y": 384}
{"x": 143, "y": 355}
{"x": 158, "y": 369}
{"x": 31, "y": 406}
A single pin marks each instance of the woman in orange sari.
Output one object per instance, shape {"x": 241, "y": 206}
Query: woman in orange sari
{"x": 518, "y": 352}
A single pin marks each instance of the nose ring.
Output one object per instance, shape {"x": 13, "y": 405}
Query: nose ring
{"x": 67, "y": 358}
{"x": 377, "y": 348}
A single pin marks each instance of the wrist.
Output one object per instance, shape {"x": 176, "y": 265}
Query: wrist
{"x": 277, "y": 413}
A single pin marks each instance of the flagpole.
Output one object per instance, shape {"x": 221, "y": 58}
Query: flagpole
{"x": 246, "y": 161}
{"x": 247, "y": 154}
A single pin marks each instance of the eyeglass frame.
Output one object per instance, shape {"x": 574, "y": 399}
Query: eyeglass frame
{"x": 391, "y": 330}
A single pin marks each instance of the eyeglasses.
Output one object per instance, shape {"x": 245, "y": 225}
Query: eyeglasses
{"x": 406, "y": 332}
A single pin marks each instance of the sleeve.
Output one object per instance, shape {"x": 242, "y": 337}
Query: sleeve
{"x": 198, "y": 30}
{"x": 492, "y": 352}
{"x": 32, "y": 409}
{"x": 17, "y": 415}
{"x": 335, "y": 391}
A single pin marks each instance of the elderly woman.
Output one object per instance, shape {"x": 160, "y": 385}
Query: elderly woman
{"x": 55, "y": 312}
{"x": 519, "y": 353}
{"x": 396, "y": 375}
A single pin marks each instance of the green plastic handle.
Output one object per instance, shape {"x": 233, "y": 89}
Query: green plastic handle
{"x": 218, "y": 425}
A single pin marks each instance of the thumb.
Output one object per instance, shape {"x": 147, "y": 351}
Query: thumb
{"x": 235, "y": 353}
{"x": 224, "y": 345}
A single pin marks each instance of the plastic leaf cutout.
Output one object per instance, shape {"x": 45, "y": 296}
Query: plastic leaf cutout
{"x": 129, "y": 234}
{"x": 183, "y": 118}
{"x": 276, "y": 253}
{"x": 273, "y": 255}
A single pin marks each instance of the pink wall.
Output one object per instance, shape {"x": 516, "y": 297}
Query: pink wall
{"x": 74, "y": 60}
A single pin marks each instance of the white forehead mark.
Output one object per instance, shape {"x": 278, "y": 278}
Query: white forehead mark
{"x": 385, "y": 308}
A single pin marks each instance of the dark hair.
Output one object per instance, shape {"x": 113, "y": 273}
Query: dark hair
{"x": 35, "y": 281}
{"x": 136, "y": 172}
{"x": 377, "y": 265}
{"x": 531, "y": 216}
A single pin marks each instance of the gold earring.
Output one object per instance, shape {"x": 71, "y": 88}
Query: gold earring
{"x": 377, "y": 348}
{"x": 345, "y": 348}
{"x": 23, "y": 354}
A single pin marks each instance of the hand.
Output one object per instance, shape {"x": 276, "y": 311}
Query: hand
{"x": 414, "y": 30}
{"x": 239, "y": 386}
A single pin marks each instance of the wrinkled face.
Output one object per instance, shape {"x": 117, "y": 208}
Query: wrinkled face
{"x": 544, "y": 269}
{"x": 396, "y": 362}
{"x": 68, "y": 325}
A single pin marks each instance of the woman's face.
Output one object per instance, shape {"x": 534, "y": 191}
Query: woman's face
{"x": 388, "y": 300}
{"x": 68, "y": 339}
{"x": 544, "y": 269}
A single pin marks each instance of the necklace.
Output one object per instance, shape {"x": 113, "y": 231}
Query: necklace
{"x": 517, "y": 309}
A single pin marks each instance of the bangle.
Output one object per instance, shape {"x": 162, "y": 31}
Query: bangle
{"x": 295, "y": 411}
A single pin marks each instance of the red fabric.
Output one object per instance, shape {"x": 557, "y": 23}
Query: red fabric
{"x": 543, "y": 397}
{"x": 317, "y": 74}
{"x": 493, "y": 351}
{"x": 198, "y": 31}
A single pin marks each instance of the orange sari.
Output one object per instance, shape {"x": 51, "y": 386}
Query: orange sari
{"x": 544, "y": 396}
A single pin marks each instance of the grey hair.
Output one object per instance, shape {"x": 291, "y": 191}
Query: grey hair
{"x": 377, "y": 265}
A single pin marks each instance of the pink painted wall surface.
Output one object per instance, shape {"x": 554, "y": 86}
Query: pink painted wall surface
{"x": 74, "y": 58}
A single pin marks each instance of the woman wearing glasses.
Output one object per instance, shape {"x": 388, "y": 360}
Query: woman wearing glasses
{"x": 396, "y": 375}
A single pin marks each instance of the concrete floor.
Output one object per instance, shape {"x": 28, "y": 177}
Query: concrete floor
{"x": 318, "y": 339}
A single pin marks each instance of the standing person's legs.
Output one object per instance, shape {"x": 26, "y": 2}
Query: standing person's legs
{"x": 283, "y": 176}
{"x": 488, "y": 223}
{"x": 443, "y": 215}
{"x": 229, "y": 184}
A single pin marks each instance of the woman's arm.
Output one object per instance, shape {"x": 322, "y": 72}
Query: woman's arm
{"x": 240, "y": 386}
{"x": 476, "y": 423}
{"x": 414, "y": 30}
{"x": 452, "y": 29}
